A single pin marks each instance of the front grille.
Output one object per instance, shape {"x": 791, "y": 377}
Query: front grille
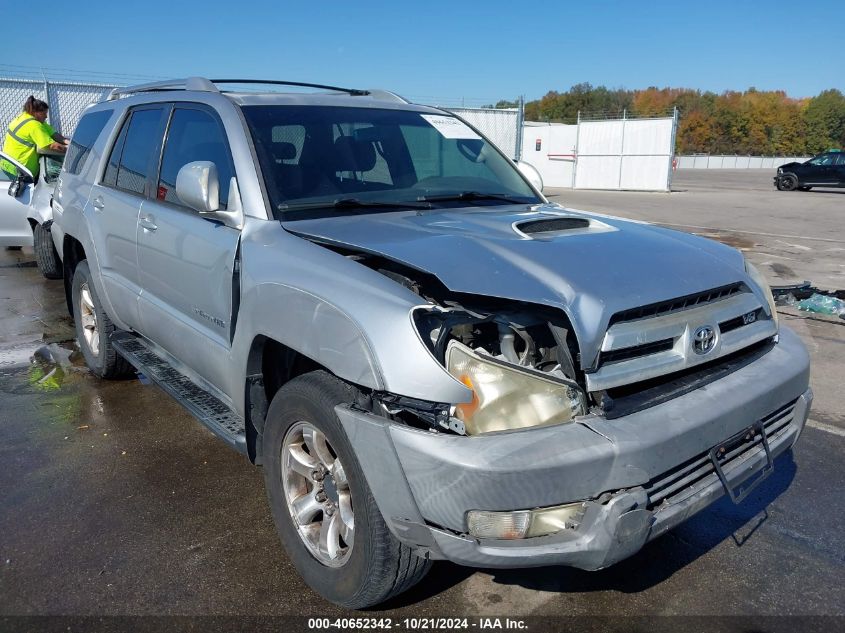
{"x": 681, "y": 303}
{"x": 682, "y": 481}
{"x": 627, "y": 353}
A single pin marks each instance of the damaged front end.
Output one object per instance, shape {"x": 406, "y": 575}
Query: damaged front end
{"x": 519, "y": 361}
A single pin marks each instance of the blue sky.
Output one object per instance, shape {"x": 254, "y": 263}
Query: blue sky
{"x": 447, "y": 51}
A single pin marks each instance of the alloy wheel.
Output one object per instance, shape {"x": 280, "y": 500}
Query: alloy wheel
{"x": 88, "y": 318}
{"x": 317, "y": 494}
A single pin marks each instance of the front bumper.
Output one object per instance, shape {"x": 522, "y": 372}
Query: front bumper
{"x": 643, "y": 472}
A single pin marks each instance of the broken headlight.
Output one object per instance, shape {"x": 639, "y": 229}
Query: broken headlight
{"x": 506, "y": 397}
{"x": 757, "y": 278}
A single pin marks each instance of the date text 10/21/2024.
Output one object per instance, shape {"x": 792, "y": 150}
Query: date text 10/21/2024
{"x": 417, "y": 624}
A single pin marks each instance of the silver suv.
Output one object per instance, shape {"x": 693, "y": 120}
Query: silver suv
{"x": 429, "y": 360}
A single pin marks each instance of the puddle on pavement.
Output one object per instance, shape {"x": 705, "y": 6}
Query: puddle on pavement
{"x": 46, "y": 367}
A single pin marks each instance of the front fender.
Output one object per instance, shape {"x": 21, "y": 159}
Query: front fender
{"x": 337, "y": 312}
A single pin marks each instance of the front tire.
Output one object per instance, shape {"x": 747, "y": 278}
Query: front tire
{"x": 788, "y": 182}
{"x": 324, "y": 511}
{"x": 46, "y": 255}
{"x": 94, "y": 328}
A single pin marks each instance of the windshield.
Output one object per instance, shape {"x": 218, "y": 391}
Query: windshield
{"x": 327, "y": 161}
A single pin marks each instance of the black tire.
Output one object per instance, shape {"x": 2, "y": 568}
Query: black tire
{"x": 105, "y": 362}
{"x": 787, "y": 182}
{"x": 379, "y": 566}
{"x": 46, "y": 256}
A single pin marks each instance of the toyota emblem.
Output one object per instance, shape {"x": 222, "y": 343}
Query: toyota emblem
{"x": 704, "y": 340}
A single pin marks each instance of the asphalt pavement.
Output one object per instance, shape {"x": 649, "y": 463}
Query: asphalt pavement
{"x": 115, "y": 502}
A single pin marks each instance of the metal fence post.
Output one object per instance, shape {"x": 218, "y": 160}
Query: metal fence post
{"x": 672, "y": 148}
{"x": 622, "y": 147}
{"x": 520, "y": 124}
{"x": 577, "y": 150}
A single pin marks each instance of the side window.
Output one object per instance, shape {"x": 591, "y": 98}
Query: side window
{"x": 84, "y": 136}
{"x": 110, "y": 177}
{"x": 130, "y": 158}
{"x": 840, "y": 159}
{"x": 194, "y": 135}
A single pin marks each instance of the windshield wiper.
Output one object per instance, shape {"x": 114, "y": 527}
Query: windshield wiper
{"x": 472, "y": 195}
{"x": 353, "y": 203}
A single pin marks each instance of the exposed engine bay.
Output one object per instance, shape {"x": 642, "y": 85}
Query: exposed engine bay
{"x": 521, "y": 361}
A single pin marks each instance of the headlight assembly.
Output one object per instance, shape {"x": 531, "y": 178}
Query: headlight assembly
{"x": 506, "y": 397}
{"x": 760, "y": 281}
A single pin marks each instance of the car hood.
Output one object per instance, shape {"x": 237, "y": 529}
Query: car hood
{"x": 589, "y": 272}
{"x": 791, "y": 165}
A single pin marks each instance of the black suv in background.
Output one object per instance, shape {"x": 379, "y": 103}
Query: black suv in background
{"x": 824, "y": 170}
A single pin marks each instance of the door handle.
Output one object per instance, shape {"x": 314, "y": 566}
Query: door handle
{"x": 147, "y": 223}
{"x": 98, "y": 203}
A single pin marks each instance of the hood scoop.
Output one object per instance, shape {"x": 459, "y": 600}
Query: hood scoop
{"x": 555, "y": 226}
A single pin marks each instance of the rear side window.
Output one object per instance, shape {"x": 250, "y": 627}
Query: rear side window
{"x": 194, "y": 135}
{"x": 84, "y": 136}
{"x": 130, "y": 159}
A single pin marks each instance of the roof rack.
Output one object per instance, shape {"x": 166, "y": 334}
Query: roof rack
{"x": 201, "y": 84}
{"x": 355, "y": 92}
{"x": 190, "y": 83}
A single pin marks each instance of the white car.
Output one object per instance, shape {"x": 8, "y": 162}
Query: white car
{"x": 25, "y": 219}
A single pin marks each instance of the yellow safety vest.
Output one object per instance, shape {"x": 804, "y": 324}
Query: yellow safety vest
{"x": 23, "y": 138}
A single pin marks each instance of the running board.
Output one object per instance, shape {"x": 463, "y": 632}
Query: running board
{"x": 205, "y": 407}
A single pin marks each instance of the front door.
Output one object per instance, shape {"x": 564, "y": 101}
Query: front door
{"x": 822, "y": 170}
{"x": 14, "y": 227}
{"x": 186, "y": 261}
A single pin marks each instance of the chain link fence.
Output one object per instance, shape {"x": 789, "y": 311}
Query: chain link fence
{"x": 67, "y": 100}
{"x": 502, "y": 126}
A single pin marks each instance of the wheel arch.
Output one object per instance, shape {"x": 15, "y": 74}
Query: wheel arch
{"x": 270, "y": 365}
{"x": 72, "y": 253}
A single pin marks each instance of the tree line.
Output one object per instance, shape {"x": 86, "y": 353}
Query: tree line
{"x": 752, "y": 122}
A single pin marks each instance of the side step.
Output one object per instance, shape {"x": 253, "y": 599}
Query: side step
{"x": 204, "y": 406}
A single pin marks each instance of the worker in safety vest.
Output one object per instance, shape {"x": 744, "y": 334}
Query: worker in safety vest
{"x": 28, "y": 133}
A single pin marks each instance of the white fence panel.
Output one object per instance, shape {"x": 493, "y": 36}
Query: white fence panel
{"x": 647, "y": 173}
{"x": 732, "y": 161}
{"x": 598, "y": 172}
{"x": 631, "y": 154}
{"x": 550, "y": 148}
{"x": 599, "y": 154}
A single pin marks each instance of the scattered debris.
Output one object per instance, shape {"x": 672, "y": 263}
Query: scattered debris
{"x": 822, "y": 304}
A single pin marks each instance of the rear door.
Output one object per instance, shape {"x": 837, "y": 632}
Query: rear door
{"x": 186, "y": 261}
{"x": 115, "y": 204}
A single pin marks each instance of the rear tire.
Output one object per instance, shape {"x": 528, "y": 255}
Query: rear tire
{"x": 94, "y": 328}
{"x": 373, "y": 566}
{"x": 46, "y": 255}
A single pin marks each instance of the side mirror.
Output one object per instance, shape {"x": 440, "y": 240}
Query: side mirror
{"x": 198, "y": 187}
{"x": 531, "y": 174}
